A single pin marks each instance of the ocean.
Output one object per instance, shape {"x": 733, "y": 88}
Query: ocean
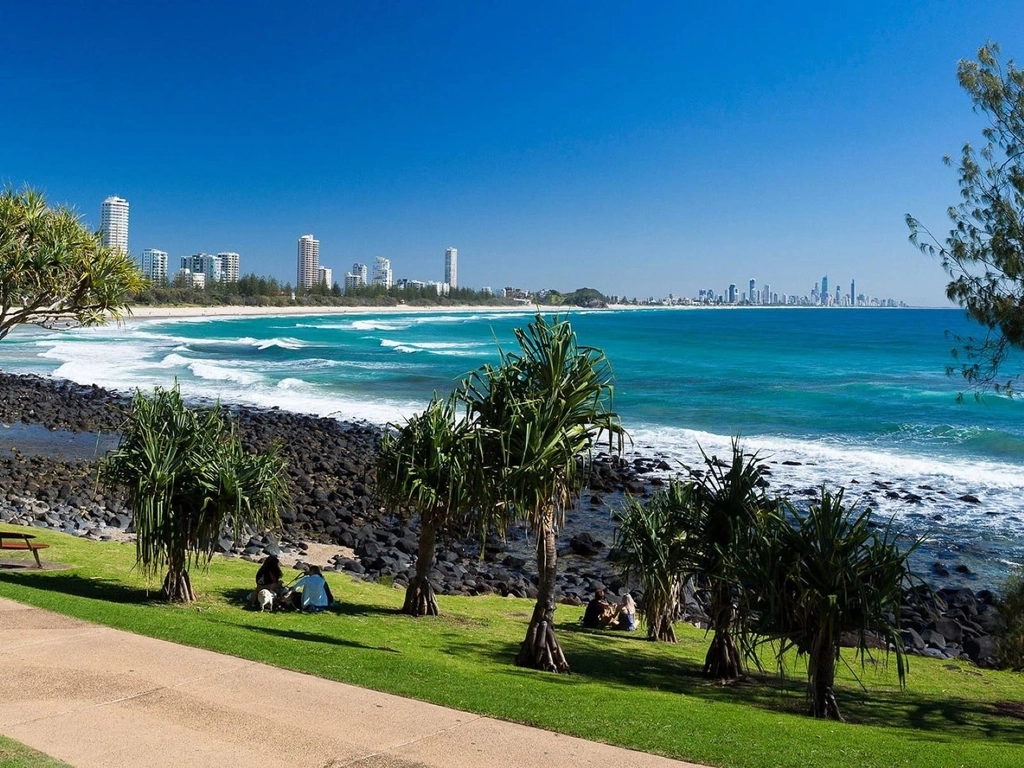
{"x": 857, "y": 398}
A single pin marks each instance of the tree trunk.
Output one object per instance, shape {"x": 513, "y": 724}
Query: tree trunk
{"x": 540, "y": 649}
{"x": 177, "y": 585}
{"x": 723, "y": 661}
{"x": 419, "y": 596}
{"x": 821, "y": 677}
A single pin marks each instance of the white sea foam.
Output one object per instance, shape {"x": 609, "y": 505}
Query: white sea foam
{"x": 221, "y": 373}
{"x": 372, "y": 325}
{"x": 857, "y": 467}
{"x": 398, "y": 346}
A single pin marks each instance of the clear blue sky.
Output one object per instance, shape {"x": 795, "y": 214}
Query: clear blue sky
{"x": 637, "y": 148}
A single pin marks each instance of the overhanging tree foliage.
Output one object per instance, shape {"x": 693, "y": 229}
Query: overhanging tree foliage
{"x": 984, "y": 251}
{"x": 54, "y": 272}
{"x": 425, "y": 464}
{"x": 187, "y": 477}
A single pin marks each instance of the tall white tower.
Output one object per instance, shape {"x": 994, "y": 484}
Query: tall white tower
{"x": 308, "y": 262}
{"x": 154, "y": 265}
{"x": 382, "y": 274}
{"x": 229, "y": 266}
{"x": 451, "y": 267}
{"x": 114, "y": 223}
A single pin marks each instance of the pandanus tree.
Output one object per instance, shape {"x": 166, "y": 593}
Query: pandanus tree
{"x": 651, "y": 546}
{"x": 823, "y": 576}
{"x": 187, "y": 477}
{"x": 726, "y": 502}
{"x": 537, "y": 417}
{"x": 424, "y": 465}
{"x": 53, "y": 271}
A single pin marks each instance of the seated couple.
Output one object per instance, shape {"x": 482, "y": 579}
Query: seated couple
{"x": 601, "y": 614}
{"x": 309, "y": 593}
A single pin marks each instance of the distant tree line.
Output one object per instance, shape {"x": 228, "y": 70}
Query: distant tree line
{"x": 259, "y": 291}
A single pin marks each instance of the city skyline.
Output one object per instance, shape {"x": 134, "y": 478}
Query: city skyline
{"x": 553, "y": 147}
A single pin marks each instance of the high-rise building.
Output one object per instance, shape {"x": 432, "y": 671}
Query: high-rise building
{"x": 824, "y": 290}
{"x": 853, "y": 293}
{"x": 451, "y": 267}
{"x": 308, "y": 262}
{"x": 154, "y": 265}
{"x": 355, "y": 278}
{"x": 382, "y": 272}
{"x": 114, "y": 223}
{"x": 229, "y": 266}
{"x": 325, "y": 276}
{"x": 204, "y": 263}
{"x": 752, "y": 294}
{"x": 732, "y": 293}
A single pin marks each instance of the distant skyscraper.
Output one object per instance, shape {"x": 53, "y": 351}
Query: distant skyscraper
{"x": 732, "y": 293}
{"x": 361, "y": 272}
{"x": 824, "y": 290}
{"x": 382, "y": 272}
{"x": 853, "y": 293}
{"x": 114, "y": 223}
{"x": 451, "y": 267}
{"x": 308, "y": 262}
{"x": 154, "y": 265}
{"x": 753, "y": 292}
{"x": 229, "y": 266}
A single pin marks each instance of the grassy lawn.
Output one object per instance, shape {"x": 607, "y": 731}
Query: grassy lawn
{"x": 16, "y": 755}
{"x": 623, "y": 690}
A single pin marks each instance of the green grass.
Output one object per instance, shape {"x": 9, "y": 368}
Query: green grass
{"x": 623, "y": 690}
{"x": 13, "y": 754}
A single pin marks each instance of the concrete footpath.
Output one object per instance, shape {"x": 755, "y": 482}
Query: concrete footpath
{"x": 95, "y": 696}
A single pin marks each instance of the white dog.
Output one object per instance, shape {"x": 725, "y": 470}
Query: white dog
{"x": 265, "y": 600}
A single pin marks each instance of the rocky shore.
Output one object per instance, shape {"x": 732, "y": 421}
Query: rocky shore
{"x": 331, "y": 476}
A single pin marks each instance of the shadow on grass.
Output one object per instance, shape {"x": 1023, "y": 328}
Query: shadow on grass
{"x": 309, "y": 637}
{"x": 628, "y": 661}
{"x": 78, "y": 586}
{"x": 240, "y": 599}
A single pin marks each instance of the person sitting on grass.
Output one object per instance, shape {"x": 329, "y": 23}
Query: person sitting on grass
{"x": 600, "y": 613}
{"x": 627, "y": 614}
{"x": 269, "y": 577}
{"x": 311, "y": 592}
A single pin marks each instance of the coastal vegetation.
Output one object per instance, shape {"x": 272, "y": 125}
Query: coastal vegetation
{"x": 186, "y": 477}
{"x": 53, "y": 271}
{"x": 817, "y": 581}
{"x": 425, "y": 465}
{"x": 774, "y": 577}
{"x": 641, "y": 695}
{"x": 651, "y": 548}
{"x": 983, "y": 253}
{"x": 537, "y": 416}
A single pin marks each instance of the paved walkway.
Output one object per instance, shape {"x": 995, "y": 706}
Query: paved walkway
{"x": 95, "y": 696}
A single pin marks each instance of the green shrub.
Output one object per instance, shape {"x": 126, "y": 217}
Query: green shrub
{"x": 1009, "y": 647}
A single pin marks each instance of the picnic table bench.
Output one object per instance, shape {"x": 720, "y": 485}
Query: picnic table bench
{"x": 22, "y": 542}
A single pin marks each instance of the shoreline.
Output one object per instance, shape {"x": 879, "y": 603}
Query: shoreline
{"x": 331, "y": 476}
{"x": 231, "y": 311}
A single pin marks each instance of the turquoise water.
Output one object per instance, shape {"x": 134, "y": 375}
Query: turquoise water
{"x": 847, "y": 397}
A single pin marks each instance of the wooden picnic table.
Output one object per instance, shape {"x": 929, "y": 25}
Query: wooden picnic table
{"x": 22, "y": 542}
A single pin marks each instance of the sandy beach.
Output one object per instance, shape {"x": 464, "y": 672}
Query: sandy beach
{"x": 152, "y": 313}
